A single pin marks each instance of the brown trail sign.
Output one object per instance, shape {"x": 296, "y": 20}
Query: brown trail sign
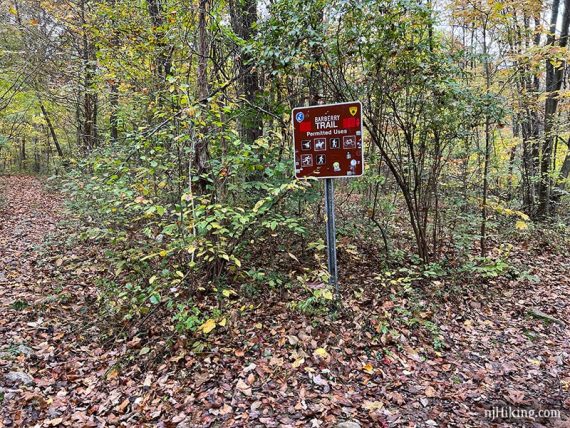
{"x": 328, "y": 144}
{"x": 328, "y": 140}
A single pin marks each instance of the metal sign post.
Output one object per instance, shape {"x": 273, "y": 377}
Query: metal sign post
{"x": 328, "y": 144}
{"x": 331, "y": 235}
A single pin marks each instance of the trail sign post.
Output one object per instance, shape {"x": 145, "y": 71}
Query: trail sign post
{"x": 328, "y": 144}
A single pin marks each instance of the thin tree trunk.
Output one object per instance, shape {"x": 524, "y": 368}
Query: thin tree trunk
{"x": 114, "y": 90}
{"x": 22, "y": 153}
{"x": 51, "y": 130}
{"x": 163, "y": 60}
{"x": 114, "y": 116}
{"x": 243, "y": 14}
{"x": 487, "y": 157}
{"x": 89, "y": 128}
{"x": 554, "y": 78}
{"x": 201, "y": 144}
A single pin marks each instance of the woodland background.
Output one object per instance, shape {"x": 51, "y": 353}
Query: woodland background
{"x": 170, "y": 124}
{"x": 185, "y": 282}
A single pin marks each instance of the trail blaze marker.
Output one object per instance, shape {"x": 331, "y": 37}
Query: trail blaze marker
{"x": 328, "y": 144}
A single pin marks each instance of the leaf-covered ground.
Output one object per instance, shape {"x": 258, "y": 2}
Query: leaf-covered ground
{"x": 437, "y": 354}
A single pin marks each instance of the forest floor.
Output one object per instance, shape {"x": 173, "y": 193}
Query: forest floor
{"x": 436, "y": 358}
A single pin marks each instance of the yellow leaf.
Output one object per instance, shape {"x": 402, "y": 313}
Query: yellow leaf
{"x": 521, "y": 225}
{"x": 327, "y": 294}
{"x": 152, "y": 279}
{"x": 298, "y": 362}
{"x": 258, "y": 205}
{"x": 321, "y": 352}
{"x": 368, "y": 368}
{"x": 223, "y": 322}
{"x": 208, "y": 326}
{"x": 372, "y": 405}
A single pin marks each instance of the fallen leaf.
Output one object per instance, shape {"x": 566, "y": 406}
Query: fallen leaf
{"x": 372, "y": 405}
{"x": 54, "y": 422}
{"x": 515, "y": 396}
{"x": 318, "y": 380}
{"x": 321, "y": 352}
{"x": 243, "y": 387}
{"x": 148, "y": 381}
{"x": 298, "y": 362}
{"x": 208, "y": 326}
{"x": 430, "y": 392}
{"x": 112, "y": 374}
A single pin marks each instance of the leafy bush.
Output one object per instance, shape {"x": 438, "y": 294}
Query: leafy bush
{"x": 168, "y": 240}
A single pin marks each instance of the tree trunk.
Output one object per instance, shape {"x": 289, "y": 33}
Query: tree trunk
{"x": 114, "y": 90}
{"x": 51, "y": 130}
{"x": 560, "y": 188}
{"x": 554, "y": 78}
{"x": 89, "y": 126}
{"x": 114, "y": 115}
{"x": 200, "y": 162}
{"x": 243, "y": 14}
{"x": 22, "y": 153}
{"x": 163, "y": 60}
{"x": 488, "y": 142}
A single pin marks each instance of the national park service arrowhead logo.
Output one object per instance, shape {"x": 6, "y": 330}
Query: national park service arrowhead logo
{"x": 352, "y": 110}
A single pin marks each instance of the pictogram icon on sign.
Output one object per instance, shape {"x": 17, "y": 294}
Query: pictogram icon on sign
{"x": 307, "y": 160}
{"x": 320, "y": 144}
{"x": 349, "y": 142}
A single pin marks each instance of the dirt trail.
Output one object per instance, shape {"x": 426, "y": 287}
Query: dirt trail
{"x": 58, "y": 369}
{"x": 40, "y": 310}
